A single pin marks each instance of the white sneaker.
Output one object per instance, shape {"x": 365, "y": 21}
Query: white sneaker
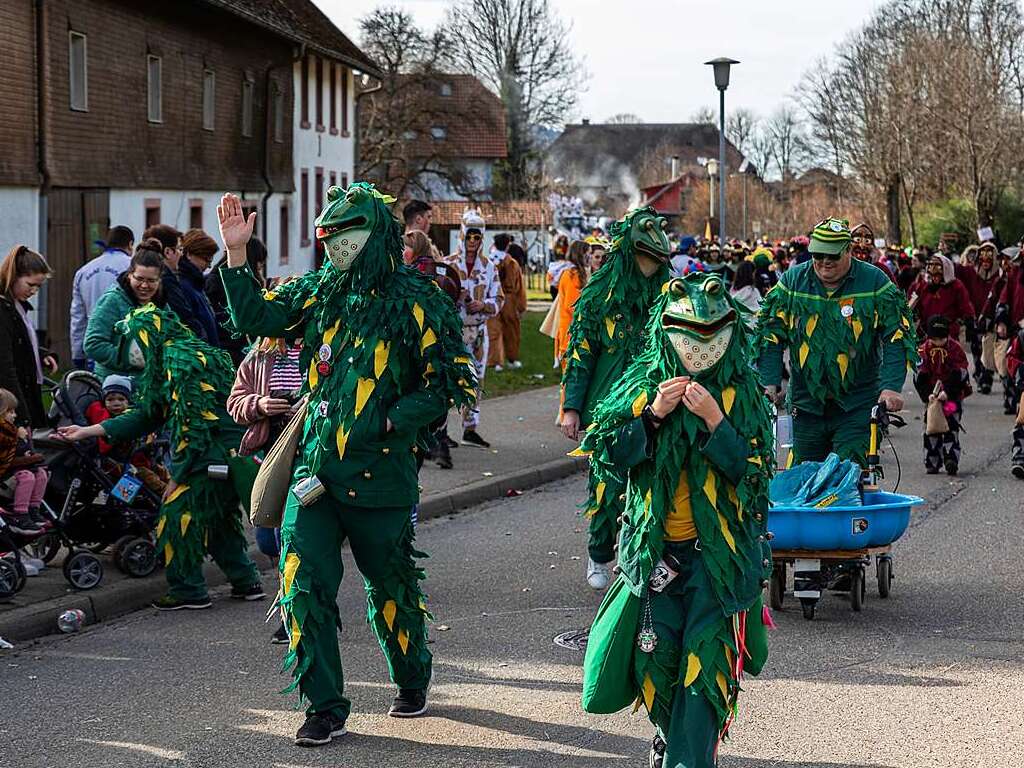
{"x": 30, "y": 570}
{"x": 598, "y": 574}
{"x": 34, "y": 561}
{"x": 516, "y": 364}
{"x": 498, "y": 369}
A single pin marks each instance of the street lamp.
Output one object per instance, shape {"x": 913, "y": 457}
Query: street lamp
{"x": 712, "y": 172}
{"x": 721, "y": 67}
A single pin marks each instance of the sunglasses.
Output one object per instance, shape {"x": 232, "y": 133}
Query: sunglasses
{"x": 474, "y": 238}
{"x": 826, "y": 256}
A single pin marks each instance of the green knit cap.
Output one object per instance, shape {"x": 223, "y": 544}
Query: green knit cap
{"x": 831, "y": 236}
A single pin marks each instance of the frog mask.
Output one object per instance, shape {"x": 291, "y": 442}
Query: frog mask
{"x": 699, "y": 320}
{"x": 347, "y": 222}
{"x": 647, "y": 235}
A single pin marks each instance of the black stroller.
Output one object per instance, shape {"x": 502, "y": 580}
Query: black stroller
{"x": 94, "y": 510}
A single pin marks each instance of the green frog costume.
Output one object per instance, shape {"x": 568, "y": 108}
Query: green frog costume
{"x": 384, "y": 354}
{"x": 607, "y": 332}
{"x": 845, "y": 347}
{"x": 697, "y": 501}
{"x": 183, "y": 388}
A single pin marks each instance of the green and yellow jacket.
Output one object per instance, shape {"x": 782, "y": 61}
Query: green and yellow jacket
{"x": 845, "y": 345}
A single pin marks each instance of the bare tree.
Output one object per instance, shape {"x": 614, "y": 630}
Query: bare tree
{"x": 704, "y": 114}
{"x": 740, "y": 128}
{"x": 518, "y": 49}
{"x": 788, "y": 142}
{"x": 623, "y": 118}
{"x": 395, "y": 120}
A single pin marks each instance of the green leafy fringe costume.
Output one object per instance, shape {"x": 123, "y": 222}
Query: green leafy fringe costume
{"x": 394, "y": 344}
{"x": 605, "y": 336}
{"x": 183, "y": 388}
{"x": 730, "y": 518}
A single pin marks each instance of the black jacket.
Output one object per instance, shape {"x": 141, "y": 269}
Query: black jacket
{"x": 17, "y": 365}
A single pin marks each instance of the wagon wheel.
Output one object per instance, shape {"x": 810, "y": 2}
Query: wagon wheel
{"x": 777, "y": 587}
{"x": 807, "y": 606}
{"x": 883, "y": 570}
{"x": 857, "y": 590}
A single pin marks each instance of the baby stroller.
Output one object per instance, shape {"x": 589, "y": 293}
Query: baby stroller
{"x": 96, "y": 510}
{"x": 12, "y": 570}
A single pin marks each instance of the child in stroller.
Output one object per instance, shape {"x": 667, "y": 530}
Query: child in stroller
{"x": 20, "y": 466}
{"x": 94, "y": 508}
{"x": 116, "y": 399}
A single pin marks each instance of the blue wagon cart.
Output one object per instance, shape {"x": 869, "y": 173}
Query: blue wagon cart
{"x": 831, "y": 547}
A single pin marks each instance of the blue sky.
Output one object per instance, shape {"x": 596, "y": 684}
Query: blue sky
{"x": 649, "y": 61}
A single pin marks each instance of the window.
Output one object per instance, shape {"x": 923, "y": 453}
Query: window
{"x": 282, "y": 246}
{"x": 319, "y": 94}
{"x": 154, "y": 86}
{"x": 446, "y": 89}
{"x": 304, "y": 224}
{"x": 344, "y": 101}
{"x": 438, "y": 132}
{"x": 278, "y": 114}
{"x": 78, "y": 69}
{"x": 209, "y": 99}
{"x": 334, "y": 179}
{"x": 195, "y": 213}
{"x": 334, "y": 97}
{"x": 409, "y": 135}
{"x": 152, "y": 205}
{"x": 344, "y": 181}
{"x": 305, "y": 92}
{"x": 319, "y": 189}
{"x": 248, "y": 90}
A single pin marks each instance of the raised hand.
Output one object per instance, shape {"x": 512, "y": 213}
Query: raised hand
{"x": 235, "y": 228}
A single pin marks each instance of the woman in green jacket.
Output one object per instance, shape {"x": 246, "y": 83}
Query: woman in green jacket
{"x": 140, "y": 285}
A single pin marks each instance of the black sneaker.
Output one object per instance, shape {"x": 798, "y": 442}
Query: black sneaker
{"x": 1018, "y": 471}
{"x": 410, "y": 702}
{"x": 952, "y": 468}
{"x": 471, "y": 437}
{"x": 319, "y": 729}
{"x": 448, "y": 441}
{"x": 249, "y": 593}
{"x": 932, "y": 470}
{"x": 657, "y": 755}
{"x": 444, "y": 456}
{"x": 36, "y": 516}
{"x": 280, "y": 637}
{"x": 171, "y": 603}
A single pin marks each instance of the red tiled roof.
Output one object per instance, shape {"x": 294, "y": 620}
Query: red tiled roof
{"x": 518, "y": 214}
{"x": 303, "y": 22}
{"x": 472, "y": 117}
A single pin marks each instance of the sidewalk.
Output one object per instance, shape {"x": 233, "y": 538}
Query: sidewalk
{"x": 526, "y": 450}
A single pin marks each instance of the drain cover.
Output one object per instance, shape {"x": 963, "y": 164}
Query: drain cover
{"x": 574, "y": 640}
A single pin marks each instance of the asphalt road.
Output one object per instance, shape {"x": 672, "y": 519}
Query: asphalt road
{"x": 931, "y": 677}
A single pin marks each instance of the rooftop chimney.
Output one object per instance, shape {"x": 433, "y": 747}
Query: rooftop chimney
{"x": 586, "y": 121}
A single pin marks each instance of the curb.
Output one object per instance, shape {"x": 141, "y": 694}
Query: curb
{"x": 114, "y": 600}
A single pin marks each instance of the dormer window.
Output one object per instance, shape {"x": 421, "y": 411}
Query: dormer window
{"x": 446, "y": 89}
{"x": 409, "y": 135}
{"x": 438, "y": 132}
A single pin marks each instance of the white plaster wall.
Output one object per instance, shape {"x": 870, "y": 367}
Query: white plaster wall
{"x": 19, "y": 218}
{"x": 128, "y": 207}
{"x": 314, "y": 149}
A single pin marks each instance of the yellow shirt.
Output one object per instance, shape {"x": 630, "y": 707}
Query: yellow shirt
{"x": 679, "y": 521}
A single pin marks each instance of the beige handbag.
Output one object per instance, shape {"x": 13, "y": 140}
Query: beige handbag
{"x": 988, "y": 351}
{"x": 1002, "y": 345}
{"x": 270, "y": 489}
{"x": 935, "y": 422}
{"x": 550, "y": 325}
{"x": 1020, "y": 410}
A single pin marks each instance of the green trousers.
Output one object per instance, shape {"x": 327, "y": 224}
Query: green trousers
{"x": 201, "y": 517}
{"x": 684, "y": 716}
{"x": 381, "y": 540}
{"x": 845, "y": 433}
{"x": 603, "y": 529}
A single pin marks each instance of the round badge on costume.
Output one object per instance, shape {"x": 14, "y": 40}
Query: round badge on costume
{"x": 323, "y": 409}
{"x": 835, "y": 226}
{"x": 846, "y": 311}
{"x": 325, "y": 352}
{"x": 323, "y": 368}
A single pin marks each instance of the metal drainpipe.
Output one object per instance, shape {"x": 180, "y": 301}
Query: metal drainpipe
{"x": 41, "y": 105}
